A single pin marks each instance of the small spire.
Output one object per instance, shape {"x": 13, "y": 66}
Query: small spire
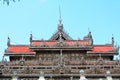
{"x": 31, "y": 37}
{"x": 60, "y": 25}
{"x": 113, "y": 40}
{"x": 8, "y": 42}
{"x": 60, "y": 20}
{"x": 90, "y": 37}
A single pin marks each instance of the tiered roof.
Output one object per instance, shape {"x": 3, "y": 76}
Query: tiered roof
{"x": 61, "y": 40}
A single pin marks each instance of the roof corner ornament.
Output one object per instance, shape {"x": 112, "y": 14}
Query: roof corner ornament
{"x": 90, "y": 37}
{"x": 108, "y": 75}
{"x": 82, "y": 75}
{"x": 8, "y": 42}
{"x": 113, "y": 40}
{"x": 31, "y": 37}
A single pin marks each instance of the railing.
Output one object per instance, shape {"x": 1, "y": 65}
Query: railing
{"x": 33, "y": 67}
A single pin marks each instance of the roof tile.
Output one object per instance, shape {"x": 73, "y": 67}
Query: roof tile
{"x": 103, "y": 48}
{"x": 19, "y": 49}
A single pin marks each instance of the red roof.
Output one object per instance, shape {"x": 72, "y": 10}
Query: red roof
{"x": 103, "y": 48}
{"x": 44, "y": 42}
{"x": 25, "y": 49}
{"x": 19, "y": 49}
{"x": 69, "y": 42}
{"x": 80, "y": 42}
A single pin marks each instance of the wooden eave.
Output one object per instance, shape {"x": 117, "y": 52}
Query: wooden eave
{"x": 89, "y": 53}
{"x": 19, "y": 54}
{"x": 63, "y": 48}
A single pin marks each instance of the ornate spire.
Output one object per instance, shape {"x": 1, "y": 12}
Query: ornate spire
{"x": 60, "y": 25}
{"x": 8, "y": 42}
{"x": 60, "y": 20}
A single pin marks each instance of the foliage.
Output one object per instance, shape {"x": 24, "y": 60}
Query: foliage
{"x": 8, "y": 1}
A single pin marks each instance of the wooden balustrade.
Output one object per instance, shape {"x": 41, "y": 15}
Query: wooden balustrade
{"x": 34, "y": 67}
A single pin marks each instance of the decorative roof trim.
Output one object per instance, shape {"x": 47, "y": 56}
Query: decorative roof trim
{"x": 11, "y": 53}
{"x": 64, "y": 35}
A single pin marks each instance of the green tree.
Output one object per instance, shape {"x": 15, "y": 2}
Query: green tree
{"x": 8, "y": 1}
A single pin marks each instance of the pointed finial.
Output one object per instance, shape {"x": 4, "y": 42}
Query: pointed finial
{"x": 89, "y": 34}
{"x": 113, "y": 39}
{"x": 90, "y": 37}
{"x": 31, "y": 37}
{"x": 8, "y": 42}
{"x": 60, "y": 20}
{"x": 60, "y": 25}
